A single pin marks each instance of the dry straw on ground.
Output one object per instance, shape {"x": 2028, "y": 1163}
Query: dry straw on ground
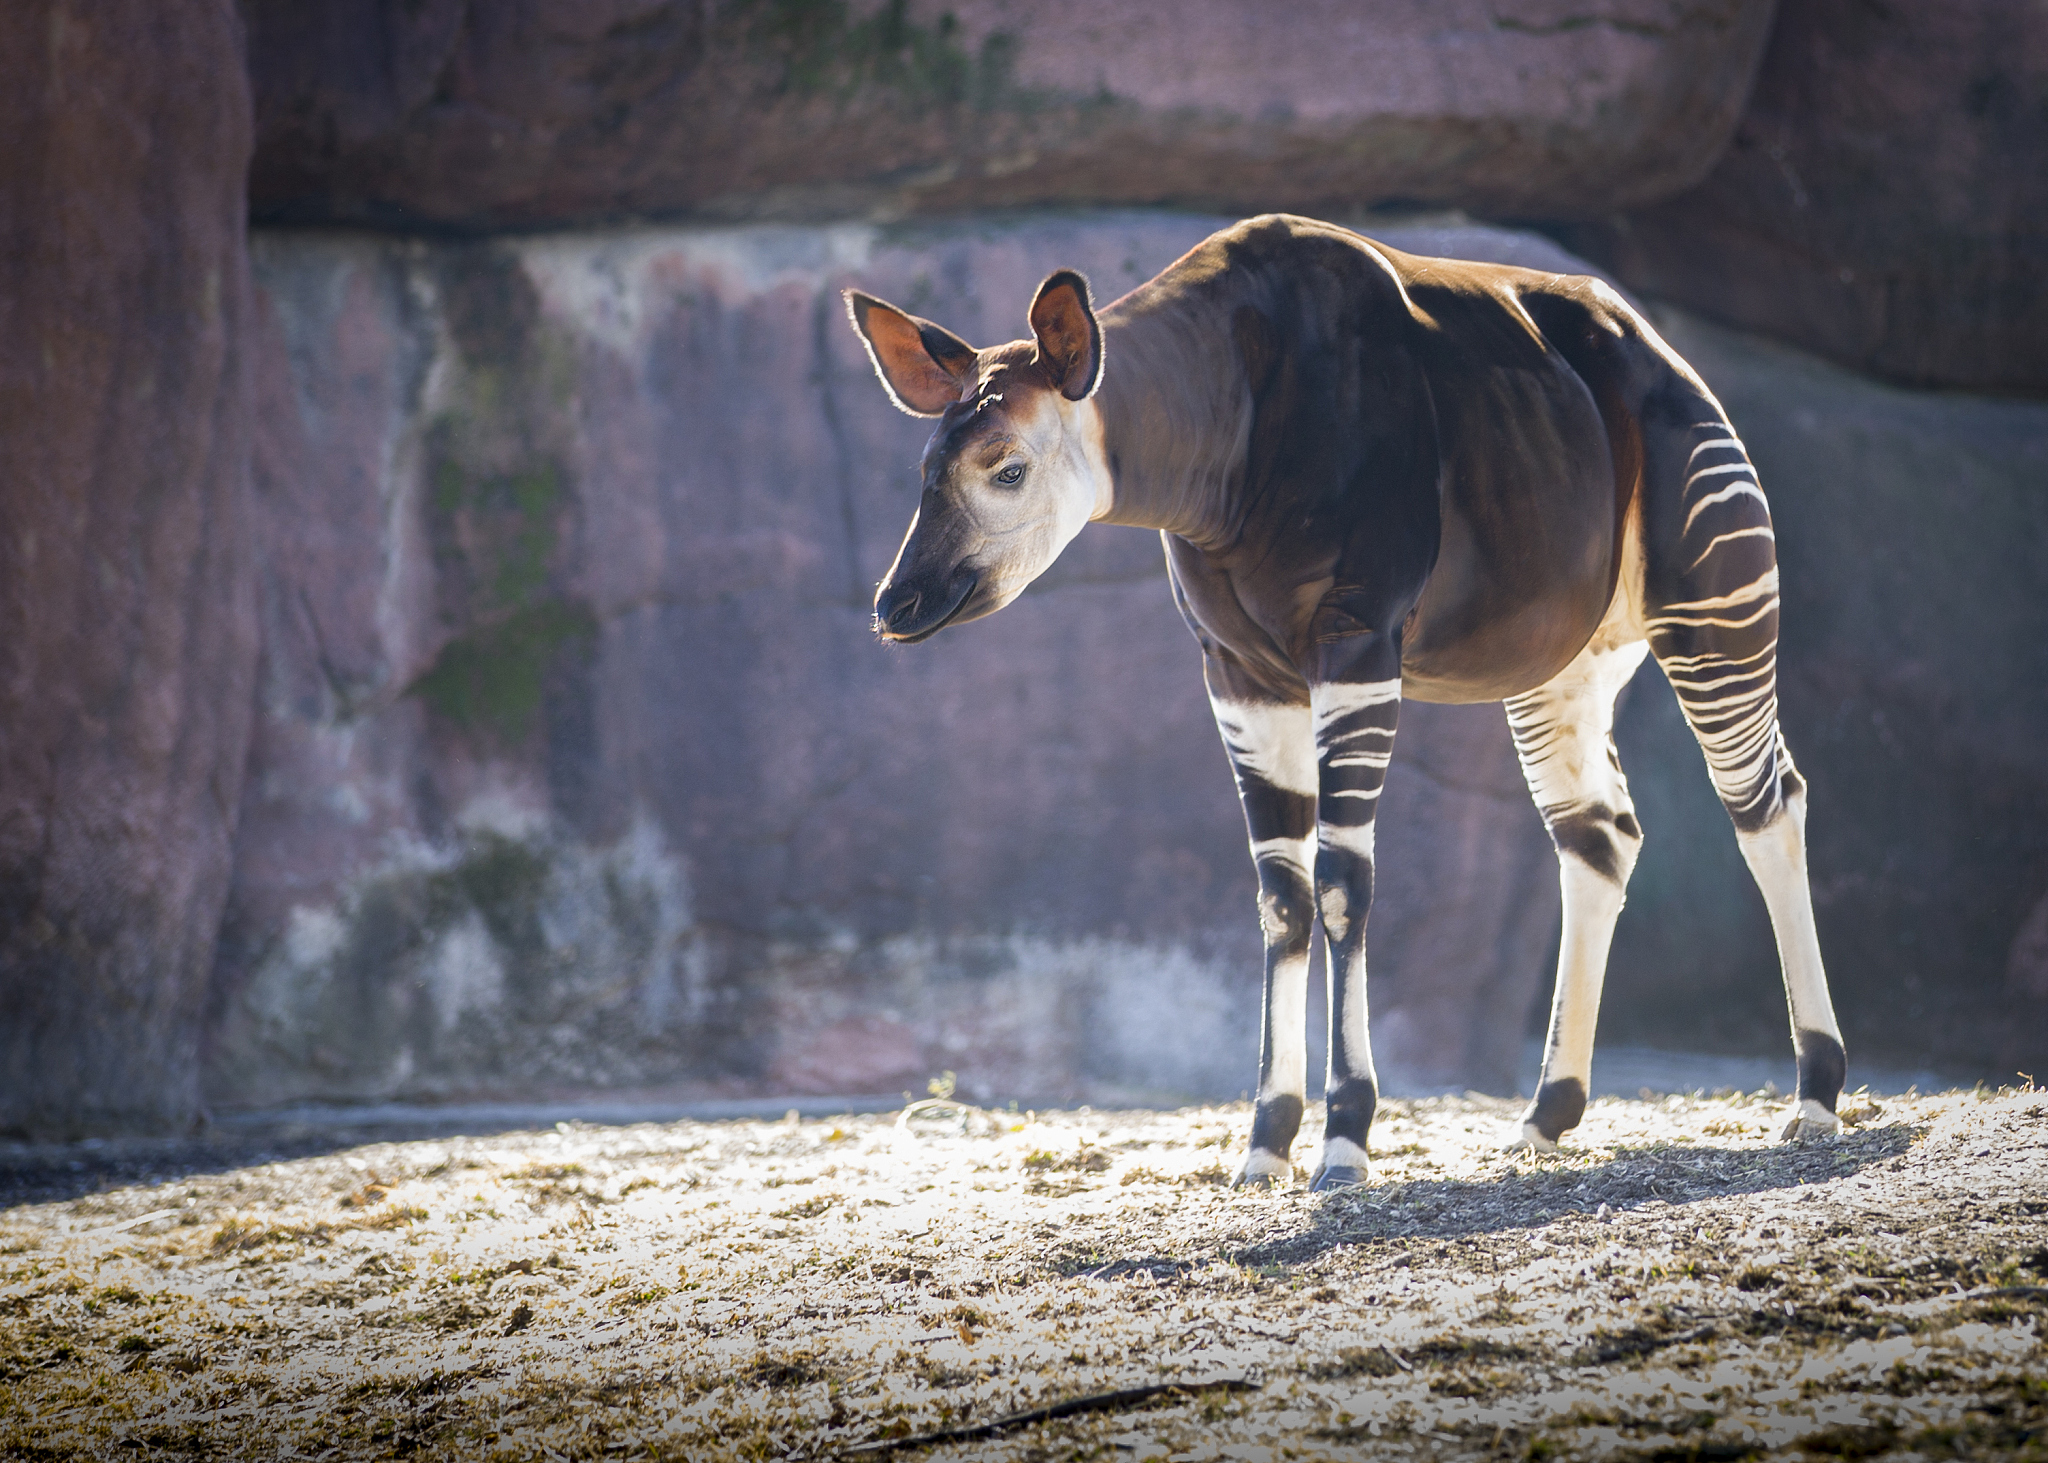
{"x": 1675, "y": 1286}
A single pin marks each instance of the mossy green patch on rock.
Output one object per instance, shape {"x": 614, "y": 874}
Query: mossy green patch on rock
{"x": 527, "y": 503}
{"x": 493, "y": 679}
{"x": 495, "y": 535}
{"x": 502, "y": 880}
{"x": 499, "y": 502}
{"x": 496, "y": 538}
{"x": 826, "y": 50}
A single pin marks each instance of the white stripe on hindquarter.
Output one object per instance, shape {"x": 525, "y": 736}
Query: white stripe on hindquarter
{"x": 1722, "y": 538}
{"x": 1696, "y": 622}
{"x": 1765, "y": 584}
{"x": 1738, "y": 733}
{"x": 1733, "y": 490}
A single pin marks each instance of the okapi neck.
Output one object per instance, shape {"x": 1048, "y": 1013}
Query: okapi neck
{"x": 1176, "y": 419}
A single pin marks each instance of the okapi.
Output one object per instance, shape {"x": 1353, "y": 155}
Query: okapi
{"x": 1379, "y": 475}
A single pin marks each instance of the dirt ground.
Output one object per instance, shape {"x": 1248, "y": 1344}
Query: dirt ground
{"x": 1676, "y": 1285}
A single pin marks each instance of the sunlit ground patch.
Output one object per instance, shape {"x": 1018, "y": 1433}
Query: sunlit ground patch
{"x": 1673, "y": 1284}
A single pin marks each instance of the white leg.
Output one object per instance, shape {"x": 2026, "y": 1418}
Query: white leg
{"x": 1272, "y": 754}
{"x": 1564, "y": 736}
{"x": 1776, "y": 854}
{"x": 1355, "y": 723}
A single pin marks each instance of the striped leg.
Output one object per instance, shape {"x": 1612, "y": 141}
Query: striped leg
{"x": 1272, "y": 754}
{"x": 1564, "y": 736}
{"x": 1355, "y": 722}
{"x": 1711, "y": 607}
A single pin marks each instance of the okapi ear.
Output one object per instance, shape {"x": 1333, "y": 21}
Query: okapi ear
{"x": 1069, "y": 340}
{"x": 925, "y": 367}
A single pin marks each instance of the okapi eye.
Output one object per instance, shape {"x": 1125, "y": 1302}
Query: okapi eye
{"x": 1011, "y": 474}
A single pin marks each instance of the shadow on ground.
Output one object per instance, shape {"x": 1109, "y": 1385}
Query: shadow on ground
{"x": 1633, "y": 1178}
{"x": 47, "y": 1173}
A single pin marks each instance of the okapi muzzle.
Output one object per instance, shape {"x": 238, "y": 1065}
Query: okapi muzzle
{"x": 1015, "y": 467}
{"x": 932, "y": 583}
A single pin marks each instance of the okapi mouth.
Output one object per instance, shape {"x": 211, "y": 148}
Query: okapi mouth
{"x": 895, "y": 622}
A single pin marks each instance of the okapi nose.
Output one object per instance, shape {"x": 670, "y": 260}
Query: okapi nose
{"x": 895, "y": 607}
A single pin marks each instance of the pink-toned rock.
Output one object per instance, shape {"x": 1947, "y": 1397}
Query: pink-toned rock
{"x": 867, "y": 1053}
{"x": 433, "y": 112}
{"x": 126, "y": 627}
{"x": 1884, "y": 202}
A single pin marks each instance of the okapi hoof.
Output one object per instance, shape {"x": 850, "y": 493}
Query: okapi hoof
{"x": 1336, "y": 1178}
{"x": 1810, "y": 1122}
{"x": 1530, "y": 1140}
{"x": 1262, "y": 1171}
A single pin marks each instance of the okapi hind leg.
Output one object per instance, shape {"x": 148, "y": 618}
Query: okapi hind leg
{"x": 1711, "y": 608}
{"x": 1776, "y": 855}
{"x": 1271, "y": 746}
{"x": 1564, "y": 736}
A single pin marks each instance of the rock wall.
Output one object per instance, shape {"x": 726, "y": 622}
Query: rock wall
{"x": 436, "y": 113}
{"x": 1884, "y": 201}
{"x": 126, "y": 628}
{"x": 576, "y": 763}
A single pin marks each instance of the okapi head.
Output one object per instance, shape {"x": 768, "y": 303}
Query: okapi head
{"x": 1016, "y": 466}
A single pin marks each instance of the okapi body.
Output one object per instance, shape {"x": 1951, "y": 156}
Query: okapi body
{"x": 1379, "y": 475}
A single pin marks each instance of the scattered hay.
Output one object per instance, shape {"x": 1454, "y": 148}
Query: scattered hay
{"x": 983, "y": 1285}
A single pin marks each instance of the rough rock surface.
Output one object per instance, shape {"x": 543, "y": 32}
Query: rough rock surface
{"x": 440, "y": 113}
{"x": 126, "y": 635}
{"x": 1884, "y": 201}
{"x": 577, "y": 764}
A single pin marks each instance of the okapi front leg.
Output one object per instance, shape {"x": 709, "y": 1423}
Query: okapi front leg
{"x": 1272, "y": 754}
{"x": 1354, "y": 726}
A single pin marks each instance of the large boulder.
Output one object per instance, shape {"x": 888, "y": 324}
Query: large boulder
{"x": 417, "y": 113}
{"x": 1884, "y": 202}
{"x": 578, "y": 766}
{"x": 126, "y": 635}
